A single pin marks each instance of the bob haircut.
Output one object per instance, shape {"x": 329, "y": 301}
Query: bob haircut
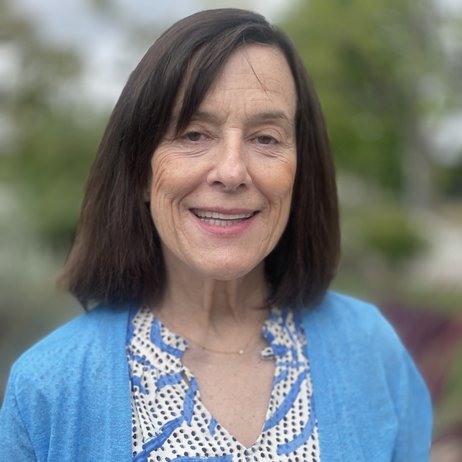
{"x": 116, "y": 257}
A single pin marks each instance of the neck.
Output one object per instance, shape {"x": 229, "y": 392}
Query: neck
{"x": 216, "y": 313}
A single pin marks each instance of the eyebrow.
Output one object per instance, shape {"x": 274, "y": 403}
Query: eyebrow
{"x": 267, "y": 116}
{"x": 271, "y": 116}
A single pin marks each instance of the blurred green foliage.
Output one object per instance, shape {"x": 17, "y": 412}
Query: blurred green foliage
{"x": 450, "y": 181}
{"x": 380, "y": 70}
{"x": 49, "y": 167}
{"x": 53, "y": 137}
{"x": 391, "y": 233}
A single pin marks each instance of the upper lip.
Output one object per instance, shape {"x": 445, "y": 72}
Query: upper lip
{"x": 225, "y": 214}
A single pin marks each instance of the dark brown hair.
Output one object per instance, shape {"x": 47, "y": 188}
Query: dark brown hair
{"x": 116, "y": 256}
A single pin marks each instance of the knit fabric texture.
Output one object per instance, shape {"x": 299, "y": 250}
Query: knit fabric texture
{"x": 68, "y": 397}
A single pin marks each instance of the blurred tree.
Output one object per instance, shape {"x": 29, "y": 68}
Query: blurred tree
{"x": 392, "y": 235}
{"x": 377, "y": 67}
{"x": 49, "y": 131}
{"x": 48, "y": 139}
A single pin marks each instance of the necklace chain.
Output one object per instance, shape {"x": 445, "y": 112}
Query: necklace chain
{"x": 239, "y": 352}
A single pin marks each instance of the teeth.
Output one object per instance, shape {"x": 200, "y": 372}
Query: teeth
{"x": 222, "y": 223}
{"x": 213, "y": 216}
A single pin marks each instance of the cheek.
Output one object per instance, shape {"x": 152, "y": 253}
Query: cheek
{"x": 161, "y": 172}
{"x": 289, "y": 176}
{"x": 279, "y": 181}
{"x": 173, "y": 174}
{"x": 168, "y": 180}
{"x": 173, "y": 178}
{"x": 280, "y": 185}
{"x": 161, "y": 190}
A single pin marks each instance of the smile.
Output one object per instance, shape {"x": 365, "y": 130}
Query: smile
{"x": 221, "y": 219}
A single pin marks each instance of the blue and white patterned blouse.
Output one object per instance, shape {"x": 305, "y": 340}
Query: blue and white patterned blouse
{"x": 170, "y": 423}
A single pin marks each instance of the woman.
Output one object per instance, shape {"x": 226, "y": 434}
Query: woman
{"x": 207, "y": 241}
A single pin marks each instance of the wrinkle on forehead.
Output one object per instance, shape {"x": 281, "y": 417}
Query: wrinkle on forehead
{"x": 186, "y": 85}
{"x": 253, "y": 62}
{"x": 245, "y": 52}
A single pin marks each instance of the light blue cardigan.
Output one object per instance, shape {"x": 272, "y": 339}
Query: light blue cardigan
{"x": 68, "y": 397}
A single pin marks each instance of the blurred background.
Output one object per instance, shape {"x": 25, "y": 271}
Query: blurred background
{"x": 389, "y": 75}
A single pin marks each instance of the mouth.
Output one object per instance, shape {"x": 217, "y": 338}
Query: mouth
{"x": 222, "y": 219}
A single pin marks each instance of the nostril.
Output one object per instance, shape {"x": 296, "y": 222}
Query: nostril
{"x": 231, "y": 174}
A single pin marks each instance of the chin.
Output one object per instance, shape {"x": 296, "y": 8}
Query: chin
{"x": 230, "y": 272}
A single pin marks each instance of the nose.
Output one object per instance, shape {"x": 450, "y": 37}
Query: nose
{"x": 230, "y": 169}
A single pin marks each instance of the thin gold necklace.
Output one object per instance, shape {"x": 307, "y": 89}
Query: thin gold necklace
{"x": 239, "y": 352}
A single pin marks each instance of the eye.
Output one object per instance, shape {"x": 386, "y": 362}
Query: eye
{"x": 266, "y": 139}
{"x": 193, "y": 136}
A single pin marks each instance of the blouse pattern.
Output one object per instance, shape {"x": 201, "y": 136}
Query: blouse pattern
{"x": 169, "y": 421}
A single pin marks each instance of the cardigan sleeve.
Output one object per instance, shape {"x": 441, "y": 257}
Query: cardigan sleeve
{"x": 15, "y": 443}
{"x": 414, "y": 411}
{"x": 407, "y": 390}
{"x": 68, "y": 396}
{"x": 371, "y": 402}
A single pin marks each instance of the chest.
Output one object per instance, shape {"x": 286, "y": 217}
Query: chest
{"x": 236, "y": 391}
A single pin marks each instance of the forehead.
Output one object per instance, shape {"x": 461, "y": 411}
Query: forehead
{"x": 255, "y": 74}
{"x": 261, "y": 68}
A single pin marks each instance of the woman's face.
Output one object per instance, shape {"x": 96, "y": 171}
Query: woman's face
{"x": 221, "y": 190}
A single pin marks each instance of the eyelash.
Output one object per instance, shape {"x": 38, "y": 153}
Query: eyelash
{"x": 187, "y": 136}
{"x": 195, "y": 136}
{"x": 271, "y": 139}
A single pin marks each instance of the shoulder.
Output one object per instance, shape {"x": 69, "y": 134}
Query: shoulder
{"x": 67, "y": 387}
{"x": 363, "y": 351}
{"x": 335, "y": 307}
{"x": 80, "y": 343}
{"x": 348, "y": 329}
{"x": 363, "y": 377}
{"x": 349, "y": 322}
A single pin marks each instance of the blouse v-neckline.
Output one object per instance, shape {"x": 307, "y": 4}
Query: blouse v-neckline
{"x": 170, "y": 420}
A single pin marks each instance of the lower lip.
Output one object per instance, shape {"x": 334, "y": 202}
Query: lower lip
{"x": 236, "y": 228}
